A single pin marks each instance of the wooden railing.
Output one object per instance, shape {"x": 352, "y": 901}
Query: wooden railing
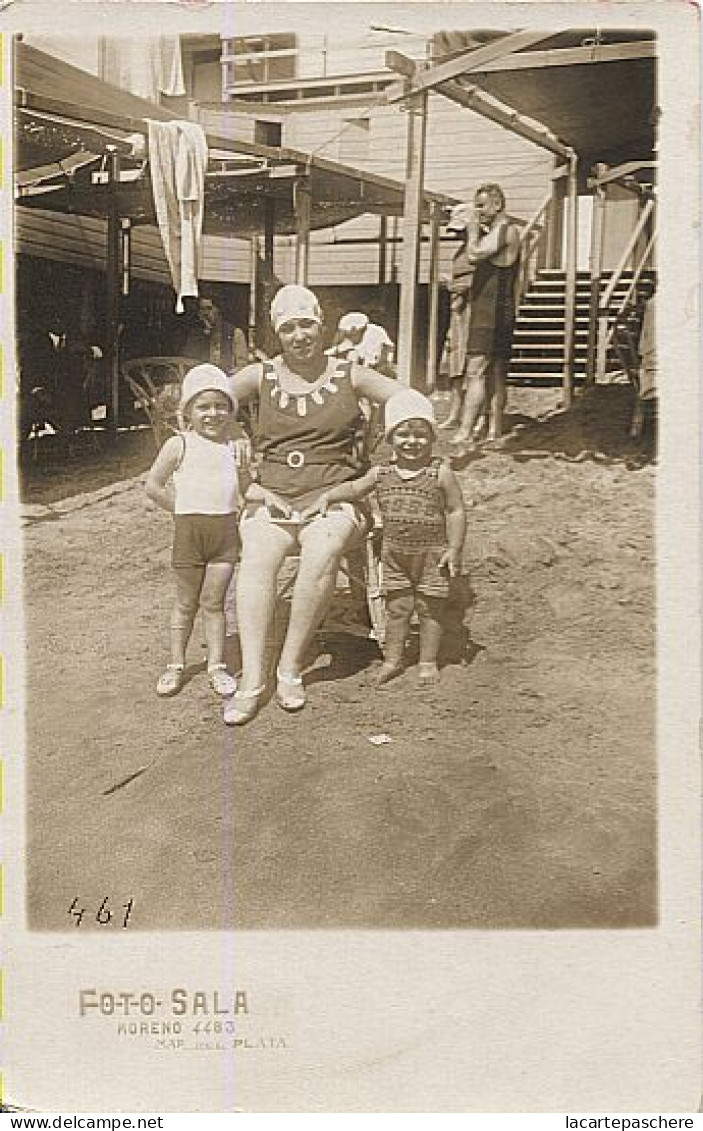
{"x": 634, "y": 281}
{"x": 604, "y": 333}
{"x": 531, "y": 244}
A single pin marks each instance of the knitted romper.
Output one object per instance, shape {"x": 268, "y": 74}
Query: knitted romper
{"x": 414, "y": 531}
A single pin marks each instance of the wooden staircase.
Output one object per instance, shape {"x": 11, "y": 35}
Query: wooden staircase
{"x": 538, "y": 342}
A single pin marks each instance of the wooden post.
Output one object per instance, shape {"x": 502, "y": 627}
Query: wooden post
{"x": 570, "y": 296}
{"x": 383, "y": 249}
{"x": 412, "y": 229}
{"x": 302, "y": 201}
{"x": 266, "y": 337}
{"x": 253, "y": 289}
{"x": 555, "y": 220}
{"x": 433, "y": 300}
{"x": 269, "y": 231}
{"x": 125, "y": 255}
{"x": 596, "y": 268}
{"x": 113, "y": 268}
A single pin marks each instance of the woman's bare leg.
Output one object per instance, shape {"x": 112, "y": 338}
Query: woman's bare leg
{"x": 322, "y": 545}
{"x": 456, "y": 400}
{"x": 264, "y": 546}
{"x": 474, "y": 398}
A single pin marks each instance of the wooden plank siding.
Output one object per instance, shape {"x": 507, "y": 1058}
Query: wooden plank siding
{"x": 82, "y": 240}
{"x": 463, "y": 150}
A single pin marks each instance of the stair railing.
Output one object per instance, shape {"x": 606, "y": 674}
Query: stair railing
{"x": 604, "y": 336}
{"x": 531, "y": 238}
{"x": 633, "y": 284}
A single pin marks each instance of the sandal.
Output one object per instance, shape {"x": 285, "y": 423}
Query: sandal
{"x": 221, "y": 682}
{"x": 242, "y": 708}
{"x": 172, "y": 680}
{"x": 290, "y": 692}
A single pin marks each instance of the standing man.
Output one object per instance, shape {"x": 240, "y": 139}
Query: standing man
{"x": 486, "y": 269}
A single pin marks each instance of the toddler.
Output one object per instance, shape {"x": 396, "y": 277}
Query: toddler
{"x": 194, "y": 476}
{"x": 424, "y": 526}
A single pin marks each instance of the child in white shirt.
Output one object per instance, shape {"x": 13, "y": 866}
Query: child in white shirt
{"x": 194, "y": 476}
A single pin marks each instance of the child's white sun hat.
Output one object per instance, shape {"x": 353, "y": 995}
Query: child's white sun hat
{"x": 408, "y": 405}
{"x": 205, "y": 378}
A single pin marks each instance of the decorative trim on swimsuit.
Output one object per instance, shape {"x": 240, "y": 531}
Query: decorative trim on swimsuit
{"x": 283, "y": 398}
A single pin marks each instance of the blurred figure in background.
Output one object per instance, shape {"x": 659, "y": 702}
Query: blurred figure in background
{"x": 209, "y": 337}
{"x": 358, "y": 339}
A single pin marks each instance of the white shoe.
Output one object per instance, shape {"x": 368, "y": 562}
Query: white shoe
{"x": 241, "y": 709}
{"x": 221, "y": 682}
{"x": 290, "y": 692}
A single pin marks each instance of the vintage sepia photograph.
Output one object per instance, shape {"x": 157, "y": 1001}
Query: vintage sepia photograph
{"x": 338, "y": 438}
{"x": 462, "y": 214}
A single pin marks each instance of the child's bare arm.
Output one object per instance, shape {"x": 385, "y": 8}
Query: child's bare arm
{"x": 348, "y": 492}
{"x": 157, "y": 485}
{"x": 456, "y": 520}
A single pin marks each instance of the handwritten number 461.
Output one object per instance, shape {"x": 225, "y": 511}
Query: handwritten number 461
{"x": 103, "y": 915}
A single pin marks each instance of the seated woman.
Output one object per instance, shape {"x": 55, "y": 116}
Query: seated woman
{"x": 306, "y": 439}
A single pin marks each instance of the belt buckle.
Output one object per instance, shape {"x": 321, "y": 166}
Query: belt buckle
{"x": 295, "y": 459}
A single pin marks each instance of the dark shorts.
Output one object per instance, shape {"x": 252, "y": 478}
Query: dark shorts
{"x": 199, "y": 539}
{"x": 416, "y": 570}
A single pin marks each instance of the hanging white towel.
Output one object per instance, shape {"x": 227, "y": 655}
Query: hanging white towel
{"x": 171, "y": 66}
{"x": 148, "y": 66}
{"x": 178, "y": 158}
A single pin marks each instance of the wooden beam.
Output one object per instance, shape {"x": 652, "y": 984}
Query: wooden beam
{"x": 462, "y": 64}
{"x": 573, "y": 56}
{"x": 403, "y": 64}
{"x": 125, "y": 255}
{"x": 302, "y": 202}
{"x": 412, "y": 227}
{"x": 570, "y": 296}
{"x": 489, "y": 107}
{"x": 254, "y": 256}
{"x": 113, "y": 270}
{"x": 616, "y": 172}
{"x": 596, "y": 267}
{"x": 267, "y": 278}
{"x": 555, "y": 223}
{"x": 382, "y": 249}
{"x": 269, "y": 233}
{"x": 433, "y": 298}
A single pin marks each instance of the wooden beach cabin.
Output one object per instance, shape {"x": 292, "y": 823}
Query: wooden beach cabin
{"x": 335, "y": 162}
{"x": 76, "y": 161}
